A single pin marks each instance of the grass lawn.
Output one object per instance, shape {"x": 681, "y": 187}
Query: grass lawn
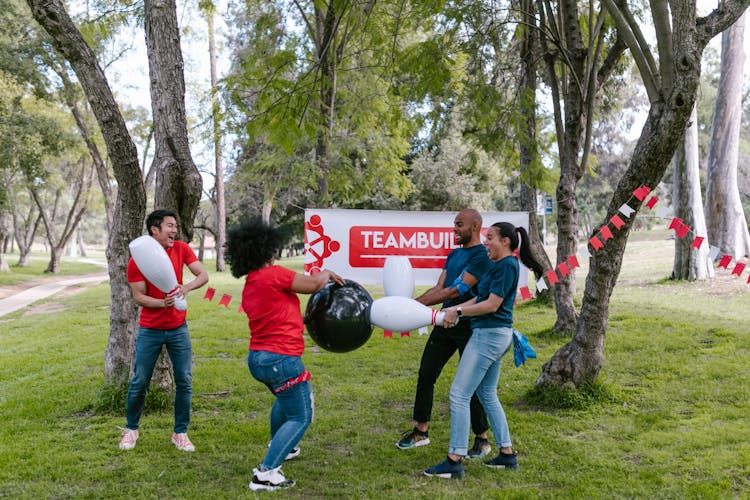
{"x": 675, "y": 426}
{"x": 38, "y": 263}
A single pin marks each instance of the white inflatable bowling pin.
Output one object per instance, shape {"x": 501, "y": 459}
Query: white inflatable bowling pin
{"x": 401, "y": 314}
{"x": 398, "y": 278}
{"x": 154, "y": 263}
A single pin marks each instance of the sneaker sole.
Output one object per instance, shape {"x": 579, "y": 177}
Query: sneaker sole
{"x": 292, "y": 454}
{"x": 270, "y": 487}
{"x": 446, "y": 475}
{"x": 509, "y": 467}
{"x": 415, "y": 444}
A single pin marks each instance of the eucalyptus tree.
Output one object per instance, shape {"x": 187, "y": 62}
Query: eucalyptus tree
{"x": 727, "y": 227}
{"x": 671, "y": 83}
{"x": 209, "y": 10}
{"x": 581, "y": 52}
{"x": 130, "y": 206}
{"x": 689, "y": 263}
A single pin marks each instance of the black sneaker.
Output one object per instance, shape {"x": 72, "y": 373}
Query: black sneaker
{"x": 269, "y": 480}
{"x": 413, "y": 439}
{"x": 503, "y": 461}
{"x": 480, "y": 449}
{"x": 446, "y": 470}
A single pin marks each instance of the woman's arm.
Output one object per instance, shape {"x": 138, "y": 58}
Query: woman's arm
{"x": 303, "y": 283}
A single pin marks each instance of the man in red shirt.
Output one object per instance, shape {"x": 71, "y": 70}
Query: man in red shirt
{"x": 160, "y": 324}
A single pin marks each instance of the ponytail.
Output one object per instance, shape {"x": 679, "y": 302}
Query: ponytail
{"x": 508, "y": 230}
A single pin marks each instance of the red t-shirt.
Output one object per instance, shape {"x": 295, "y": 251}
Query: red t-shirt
{"x": 273, "y": 311}
{"x": 163, "y": 318}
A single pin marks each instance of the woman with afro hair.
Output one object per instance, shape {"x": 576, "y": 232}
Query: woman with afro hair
{"x": 269, "y": 298}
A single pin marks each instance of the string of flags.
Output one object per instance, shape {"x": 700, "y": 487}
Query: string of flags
{"x": 615, "y": 223}
{"x": 597, "y": 242}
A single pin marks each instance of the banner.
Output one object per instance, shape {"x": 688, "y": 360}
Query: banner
{"x": 355, "y": 243}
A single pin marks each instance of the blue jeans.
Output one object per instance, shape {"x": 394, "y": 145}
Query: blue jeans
{"x": 479, "y": 370}
{"x": 147, "y": 350}
{"x": 292, "y": 412}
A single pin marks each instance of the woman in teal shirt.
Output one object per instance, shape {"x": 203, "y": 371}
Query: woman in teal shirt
{"x": 491, "y": 316}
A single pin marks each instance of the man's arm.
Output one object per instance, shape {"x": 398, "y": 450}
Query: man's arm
{"x": 440, "y": 293}
{"x": 201, "y": 277}
{"x": 138, "y": 288}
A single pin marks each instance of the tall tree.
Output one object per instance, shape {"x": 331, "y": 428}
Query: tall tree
{"x": 209, "y": 11}
{"x": 671, "y": 85}
{"x": 130, "y": 207}
{"x": 727, "y": 227}
{"x": 689, "y": 263}
{"x": 178, "y": 181}
{"x": 529, "y": 156}
{"x": 63, "y": 208}
{"x": 580, "y": 53}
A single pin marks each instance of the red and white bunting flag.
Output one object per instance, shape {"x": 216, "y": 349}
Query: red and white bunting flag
{"x": 697, "y": 242}
{"x": 240, "y": 309}
{"x": 675, "y": 223}
{"x": 662, "y": 213}
{"x": 405, "y": 334}
{"x": 683, "y": 230}
{"x": 651, "y": 202}
{"x": 641, "y": 192}
{"x": 724, "y": 262}
{"x": 596, "y": 243}
{"x": 225, "y": 300}
{"x": 626, "y": 210}
{"x": 525, "y": 293}
{"x": 541, "y": 285}
{"x": 617, "y": 221}
{"x": 387, "y": 334}
{"x": 713, "y": 252}
{"x": 563, "y": 268}
{"x": 209, "y": 293}
{"x": 606, "y": 232}
{"x": 552, "y": 277}
{"x": 738, "y": 268}
{"x": 584, "y": 252}
{"x": 573, "y": 262}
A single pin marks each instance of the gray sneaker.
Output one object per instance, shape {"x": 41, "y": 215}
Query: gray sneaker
{"x": 480, "y": 449}
{"x": 413, "y": 439}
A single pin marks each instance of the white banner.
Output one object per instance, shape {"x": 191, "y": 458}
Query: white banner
{"x": 355, "y": 243}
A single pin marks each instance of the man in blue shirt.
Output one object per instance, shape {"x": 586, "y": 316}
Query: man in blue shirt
{"x": 457, "y": 283}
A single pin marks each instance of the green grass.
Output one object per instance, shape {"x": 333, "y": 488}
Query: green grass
{"x": 667, "y": 417}
{"x": 38, "y": 263}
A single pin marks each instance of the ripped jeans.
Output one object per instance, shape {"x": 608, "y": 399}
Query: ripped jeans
{"x": 292, "y": 412}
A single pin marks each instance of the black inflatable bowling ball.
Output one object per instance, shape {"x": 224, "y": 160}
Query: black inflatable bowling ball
{"x": 337, "y": 317}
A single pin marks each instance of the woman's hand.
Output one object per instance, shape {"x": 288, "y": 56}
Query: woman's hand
{"x": 450, "y": 317}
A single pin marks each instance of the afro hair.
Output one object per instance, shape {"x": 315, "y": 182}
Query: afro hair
{"x": 252, "y": 244}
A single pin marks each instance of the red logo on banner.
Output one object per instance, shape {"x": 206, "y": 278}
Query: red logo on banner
{"x": 426, "y": 247}
{"x": 318, "y": 244}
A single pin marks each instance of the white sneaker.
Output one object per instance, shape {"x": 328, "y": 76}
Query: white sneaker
{"x": 269, "y": 480}
{"x": 182, "y": 442}
{"x": 294, "y": 453}
{"x": 129, "y": 437}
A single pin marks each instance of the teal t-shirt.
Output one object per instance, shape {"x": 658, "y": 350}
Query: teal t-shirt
{"x": 473, "y": 260}
{"x": 502, "y": 280}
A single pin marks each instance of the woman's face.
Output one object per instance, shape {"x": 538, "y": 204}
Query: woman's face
{"x": 497, "y": 246}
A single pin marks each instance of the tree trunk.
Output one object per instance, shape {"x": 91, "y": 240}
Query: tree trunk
{"x": 727, "y": 228}
{"x": 528, "y": 152}
{"x": 131, "y": 198}
{"x": 221, "y": 217}
{"x": 672, "y": 101}
{"x": 689, "y": 263}
{"x": 178, "y": 181}
{"x": 4, "y": 232}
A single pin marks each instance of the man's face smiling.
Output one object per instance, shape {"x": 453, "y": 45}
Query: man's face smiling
{"x": 462, "y": 229}
{"x": 166, "y": 232}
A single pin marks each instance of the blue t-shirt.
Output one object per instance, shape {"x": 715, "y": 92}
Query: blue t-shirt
{"x": 473, "y": 260}
{"x": 502, "y": 280}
